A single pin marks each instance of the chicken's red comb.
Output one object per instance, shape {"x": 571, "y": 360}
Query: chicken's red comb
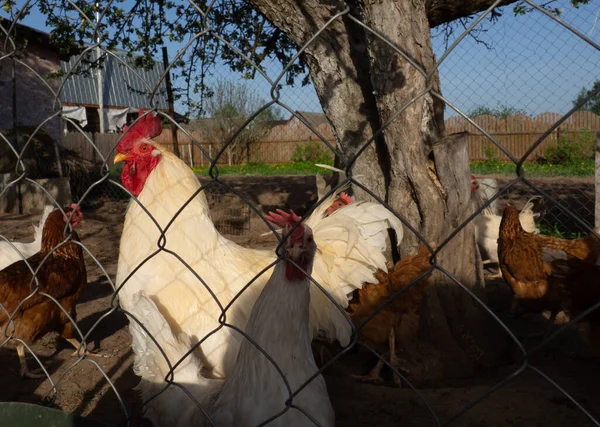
{"x": 346, "y": 198}
{"x": 282, "y": 218}
{"x": 148, "y": 126}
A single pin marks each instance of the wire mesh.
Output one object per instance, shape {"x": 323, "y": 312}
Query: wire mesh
{"x": 565, "y": 207}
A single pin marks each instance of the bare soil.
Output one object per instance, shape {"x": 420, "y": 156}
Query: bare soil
{"x": 525, "y": 400}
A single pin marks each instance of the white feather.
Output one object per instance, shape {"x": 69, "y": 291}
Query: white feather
{"x": 254, "y": 391}
{"x": 10, "y": 255}
{"x": 350, "y": 244}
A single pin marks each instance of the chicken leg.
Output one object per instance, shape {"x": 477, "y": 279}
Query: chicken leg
{"x": 24, "y": 371}
{"x": 393, "y": 358}
{"x": 374, "y": 375}
{"x": 79, "y": 349}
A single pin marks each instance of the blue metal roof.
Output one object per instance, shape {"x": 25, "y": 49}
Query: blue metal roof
{"x": 124, "y": 84}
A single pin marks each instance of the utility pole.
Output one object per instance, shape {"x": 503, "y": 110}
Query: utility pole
{"x": 100, "y": 83}
{"x": 171, "y": 102}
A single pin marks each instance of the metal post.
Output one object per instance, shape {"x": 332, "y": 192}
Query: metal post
{"x": 171, "y": 102}
{"x": 15, "y": 133}
{"x": 597, "y": 181}
{"x": 100, "y": 83}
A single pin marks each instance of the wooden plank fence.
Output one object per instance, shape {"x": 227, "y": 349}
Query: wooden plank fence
{"x": 516, "y": 133}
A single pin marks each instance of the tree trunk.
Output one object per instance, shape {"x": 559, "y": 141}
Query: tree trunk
{"x": 423, "y": 175}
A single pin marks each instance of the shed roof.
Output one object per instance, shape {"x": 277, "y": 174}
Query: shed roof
{"x": 124, "y": 84}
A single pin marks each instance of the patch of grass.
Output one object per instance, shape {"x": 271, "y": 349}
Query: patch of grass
{"x": 554, "y": 231}
{"x": 501, "y": 167}
{"x": 292, "y": 168}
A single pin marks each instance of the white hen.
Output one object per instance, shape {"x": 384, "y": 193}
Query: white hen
{"x": 8, "y": 254}
{"x": 255, "y": 391}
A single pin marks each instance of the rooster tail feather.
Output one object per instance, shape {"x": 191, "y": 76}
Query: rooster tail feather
{"x": 37, "y": 236}
{"x": 528, "y": 208}
{"x": 527, "y": 217}
{"x": 351, "y": 245}
{"x": 322, "y": 187}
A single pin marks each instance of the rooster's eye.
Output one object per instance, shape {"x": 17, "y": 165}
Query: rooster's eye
{"x": 143, "y": 147}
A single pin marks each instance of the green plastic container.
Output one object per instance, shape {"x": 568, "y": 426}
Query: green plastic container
{"x": 16, "y": 414}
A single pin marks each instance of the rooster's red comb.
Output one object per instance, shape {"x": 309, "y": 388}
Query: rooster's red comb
{"x": 148, "y": 126}
{"x": 284, "y": 219}
{"x": 346, "y": 198}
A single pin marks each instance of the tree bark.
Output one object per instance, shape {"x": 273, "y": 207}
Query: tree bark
{"x": 443, "y": 11}
{"x": 423, "y": 175}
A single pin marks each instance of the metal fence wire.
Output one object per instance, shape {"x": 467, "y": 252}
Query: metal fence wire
{"x": 199, "y": 404}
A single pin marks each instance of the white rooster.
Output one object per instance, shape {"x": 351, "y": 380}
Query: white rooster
{"x": 255, "y": 391}
{"x": 8, "y": 254}
{"x": 200, "y": 273}
{"x": 487, "y": 224}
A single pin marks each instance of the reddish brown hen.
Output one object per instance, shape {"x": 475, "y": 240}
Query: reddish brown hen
{"x": 398, "y": 322}
{"x": 520, "y": 255}
{"x": 62, "y": 275}
{"x": 523, "y": 264}
{"x": 581, "y": 281}
{"x": 586, "y": 248}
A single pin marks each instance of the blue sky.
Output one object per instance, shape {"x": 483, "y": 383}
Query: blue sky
{"x": 531, "y": 63}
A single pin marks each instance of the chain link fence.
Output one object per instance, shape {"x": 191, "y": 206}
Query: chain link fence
{"x": 527, "y": 372}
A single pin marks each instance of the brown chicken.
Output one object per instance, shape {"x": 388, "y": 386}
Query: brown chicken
{"x": 520, "y": 255}
{"x": 524, "y": 267}
{"x": 581, "y": 281}
{"x": 62, "y": 275}
{"x": 586, "y": 248}
{"x": 399, "y": 321}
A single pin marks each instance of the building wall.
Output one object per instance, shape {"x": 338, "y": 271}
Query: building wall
{"x": 35, "y": 102}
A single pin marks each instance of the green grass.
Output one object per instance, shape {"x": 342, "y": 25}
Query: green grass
{"x": 554, "y": 231}
{"x": 292, "y": 168}
{"x": 483, "y": 167}
{"x": 579, "y": 168}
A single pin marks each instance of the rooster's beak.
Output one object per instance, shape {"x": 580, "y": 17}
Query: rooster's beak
{"x": 120, "y": 157}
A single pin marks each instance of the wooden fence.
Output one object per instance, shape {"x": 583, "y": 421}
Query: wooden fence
{"x": 516, "y": 133}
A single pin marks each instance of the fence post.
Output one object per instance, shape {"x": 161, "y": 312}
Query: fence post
{"x": 597, "y": 181}
{"x": 172, "y": 125}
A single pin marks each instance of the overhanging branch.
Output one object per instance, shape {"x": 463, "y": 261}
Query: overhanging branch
{"x": 443, "y": 11}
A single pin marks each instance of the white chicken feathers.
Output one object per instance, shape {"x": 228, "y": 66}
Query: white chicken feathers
{"x": 254, "y": 391}
{"x": 8, "y": 254}
{"x": 349, "y": 252}
{"x": 173, "y": 406}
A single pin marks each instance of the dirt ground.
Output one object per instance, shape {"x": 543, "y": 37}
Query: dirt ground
{"x": 525, "y": 400}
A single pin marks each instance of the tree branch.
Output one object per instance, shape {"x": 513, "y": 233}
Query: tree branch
{"x": 442, "y": 11}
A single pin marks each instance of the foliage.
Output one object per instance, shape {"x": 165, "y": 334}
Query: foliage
{"x": 502, "y": 111}
{"x": 293, "y": 168}
{"x": 556, "y": 232}
{"x": 312, "y": 151}
{"x": 502, "y": 167}
{"x": 229, "y": 107}
{"x": 490, "y": 151}
{"x": 572, "y": 148}
{"x": 143, "y": 26}
{"x": 593, "y": 104}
